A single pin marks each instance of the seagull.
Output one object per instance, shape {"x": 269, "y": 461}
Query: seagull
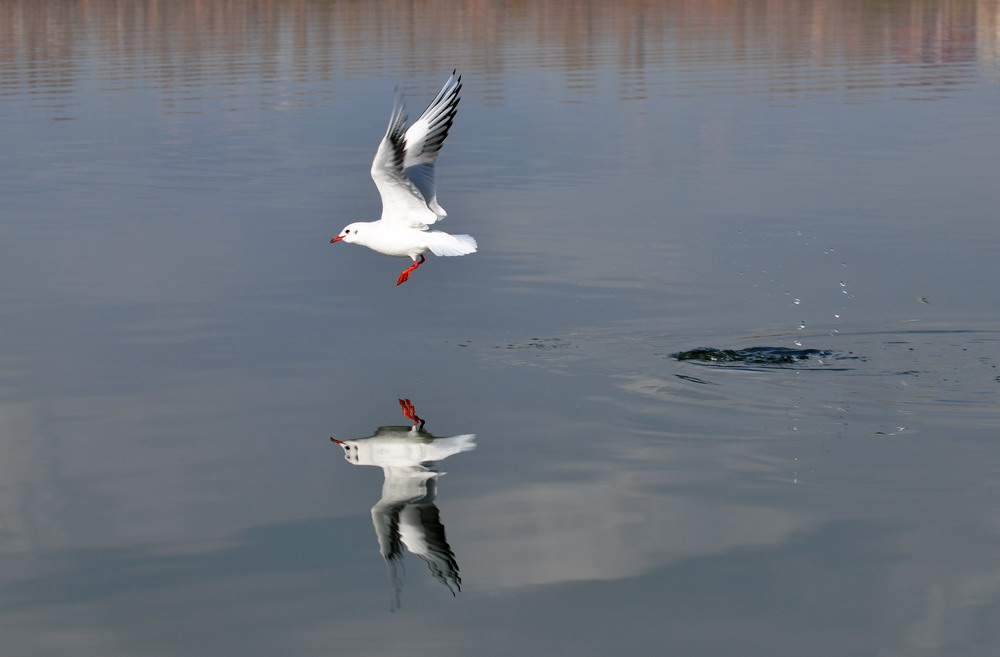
{"x": 403, "y": 170}
{"x": 407, "y": 515}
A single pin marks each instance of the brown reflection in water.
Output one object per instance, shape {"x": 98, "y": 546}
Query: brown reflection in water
{"x": 178, "y": 42}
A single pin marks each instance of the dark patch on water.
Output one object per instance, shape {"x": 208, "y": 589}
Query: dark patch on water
{"x": 760, "y": 356}
{"x": 694, "y": 379}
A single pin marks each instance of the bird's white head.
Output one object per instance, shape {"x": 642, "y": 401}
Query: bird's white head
{"x": 350, "y": 450}
{"x": 350, "y": 234}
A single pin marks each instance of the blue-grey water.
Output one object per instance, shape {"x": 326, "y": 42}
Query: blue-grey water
{"x": 810, "y": 187}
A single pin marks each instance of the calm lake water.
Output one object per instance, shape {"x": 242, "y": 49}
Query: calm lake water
{"x": 807, "y": 190}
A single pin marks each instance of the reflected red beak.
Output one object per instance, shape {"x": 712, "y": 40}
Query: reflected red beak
{"x": 336, "y": 239}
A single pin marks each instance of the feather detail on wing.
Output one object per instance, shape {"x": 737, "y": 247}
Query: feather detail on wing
{"x": 402, "y": 201}
{"x": 421, "y": 530}
{"x": 423, "y": 140}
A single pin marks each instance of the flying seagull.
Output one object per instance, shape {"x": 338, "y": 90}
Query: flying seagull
{"x": 403, "y": 170}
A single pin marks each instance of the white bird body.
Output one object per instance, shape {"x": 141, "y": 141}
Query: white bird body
{"x": 404, "y": 449}
{"x": 403, "y": 171}
{"x": 407, "y": 242}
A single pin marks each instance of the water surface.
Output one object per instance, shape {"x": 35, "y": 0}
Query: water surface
{"x": 180, "y": 340}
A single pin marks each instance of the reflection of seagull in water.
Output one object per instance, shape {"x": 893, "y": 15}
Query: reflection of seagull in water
{"x": 406, "y": 515}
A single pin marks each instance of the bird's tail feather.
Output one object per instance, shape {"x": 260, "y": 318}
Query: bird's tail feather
{"x": 445, "y": 244}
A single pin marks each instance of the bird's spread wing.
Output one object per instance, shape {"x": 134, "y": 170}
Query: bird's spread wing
{"x": 402, "y": 201}
{"x": 423, "y": 141}
{"x": 421, "y": 531}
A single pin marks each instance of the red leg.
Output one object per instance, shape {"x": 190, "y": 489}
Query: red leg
{"x": 411, "y": 413}
{"x": 405, "y": 275}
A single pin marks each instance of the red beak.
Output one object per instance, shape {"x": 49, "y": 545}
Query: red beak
{"x": 336, "y": 239}
{"x": 339, "y": 442}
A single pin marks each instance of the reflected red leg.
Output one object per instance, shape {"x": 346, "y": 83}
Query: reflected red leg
{"x": 410, "y": 412}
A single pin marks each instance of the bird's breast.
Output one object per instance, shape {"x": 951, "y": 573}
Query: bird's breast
{"x": 397, "y": 241}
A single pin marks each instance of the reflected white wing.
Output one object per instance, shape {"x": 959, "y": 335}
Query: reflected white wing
{"x": 422, "y": 532}
{"x": 403, "y": 168}
{"x": 425, "y": 137}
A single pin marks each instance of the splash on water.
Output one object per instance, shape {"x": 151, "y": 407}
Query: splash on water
{"x": 765, "y": 356}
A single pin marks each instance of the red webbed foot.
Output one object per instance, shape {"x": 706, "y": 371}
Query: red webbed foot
{"x": 411, "y": 413}
{"x": 405, "y": 274}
